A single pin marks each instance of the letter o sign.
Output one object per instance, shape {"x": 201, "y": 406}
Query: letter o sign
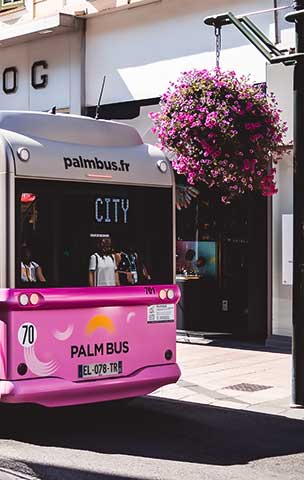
{"x": 10, "y": 80}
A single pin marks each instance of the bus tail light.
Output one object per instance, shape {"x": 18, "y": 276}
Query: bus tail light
{"x": 163, "y": 294}
{"x": 170, "y": 294}
{"x": 24, "y": 299}
{"x": 34, "y": 299}
{"x": 29, "y": 299}
{"x": 166, "y": 294}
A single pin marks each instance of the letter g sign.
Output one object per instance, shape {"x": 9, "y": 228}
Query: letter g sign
{"x": 43, "y": 80}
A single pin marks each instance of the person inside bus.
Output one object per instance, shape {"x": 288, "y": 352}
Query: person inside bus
{"x": 102, "y": 265}
{"x": 31, "y": 272}
{"x": 131, "y": 269}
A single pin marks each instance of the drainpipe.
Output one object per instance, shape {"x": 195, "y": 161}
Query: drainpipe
{"x": 298, "y": 208}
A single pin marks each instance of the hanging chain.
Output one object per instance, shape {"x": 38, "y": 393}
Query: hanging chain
{"x": 218, "y": 44}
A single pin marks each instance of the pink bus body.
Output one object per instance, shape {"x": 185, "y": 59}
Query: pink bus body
{"x": 76, "y": 327}
{"x": 70, "y": 345}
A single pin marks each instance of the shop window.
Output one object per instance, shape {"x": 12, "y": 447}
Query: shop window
{"x": 9, "y": 4}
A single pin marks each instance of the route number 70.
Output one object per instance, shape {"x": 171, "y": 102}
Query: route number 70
{"x": 27, "y": 334}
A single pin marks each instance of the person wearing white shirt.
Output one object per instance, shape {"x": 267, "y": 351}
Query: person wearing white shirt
{"x": 102, "y": 265}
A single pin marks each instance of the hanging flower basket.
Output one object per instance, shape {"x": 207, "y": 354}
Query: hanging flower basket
{"x": 222, "y": 130}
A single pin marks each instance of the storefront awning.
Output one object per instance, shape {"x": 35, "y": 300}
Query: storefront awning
{"x": 54, "y": 25}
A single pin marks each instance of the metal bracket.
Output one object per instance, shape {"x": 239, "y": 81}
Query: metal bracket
{"x": 294, "y": 16}
{"x": 256, "y": 37}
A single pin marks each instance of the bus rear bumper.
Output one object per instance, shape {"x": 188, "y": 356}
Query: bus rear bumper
{"x": 55, "y": 392}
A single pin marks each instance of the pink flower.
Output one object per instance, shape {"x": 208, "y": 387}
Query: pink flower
{"x": 246, "y": 164}
{"x": 222, "y": 130}
{"x": 249, "y": 106}
{"x": 211, "y": 120}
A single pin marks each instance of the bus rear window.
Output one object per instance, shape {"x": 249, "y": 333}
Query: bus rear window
{"x": 74, "y": 234}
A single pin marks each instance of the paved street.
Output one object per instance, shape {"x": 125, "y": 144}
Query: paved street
{"x": 235, "y": 375}
{"x": 197, "y": 429}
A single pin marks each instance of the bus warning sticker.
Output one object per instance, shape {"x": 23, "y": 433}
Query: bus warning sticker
{"x": 161, "y": 313}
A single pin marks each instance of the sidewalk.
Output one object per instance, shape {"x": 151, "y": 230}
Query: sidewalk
{"x": 234, "y": 375}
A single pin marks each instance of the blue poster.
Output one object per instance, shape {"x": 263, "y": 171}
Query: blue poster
{"x": 196, "y": 258}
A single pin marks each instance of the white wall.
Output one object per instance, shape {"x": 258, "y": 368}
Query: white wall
{"x": 63, "y": 55}
{"x": 280, "y": 82}
{"x": 282, "y": 204}
{"x": 141, "y": 50}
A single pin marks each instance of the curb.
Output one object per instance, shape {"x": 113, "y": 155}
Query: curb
{"x": 275, "y": 343}
{"x": 6, "y": 474}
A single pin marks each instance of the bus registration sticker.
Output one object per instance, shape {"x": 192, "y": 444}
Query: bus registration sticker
{"x": 161, "y": 313}
{"x": 99, "y": 369}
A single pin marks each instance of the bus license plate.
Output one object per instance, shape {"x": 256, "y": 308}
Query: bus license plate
{"x": 99, "y": 369}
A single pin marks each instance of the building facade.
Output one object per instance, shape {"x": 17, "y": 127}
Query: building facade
{"x": 58, "y": 52}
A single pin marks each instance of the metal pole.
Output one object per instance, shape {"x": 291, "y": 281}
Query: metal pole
{"x": 298, "y": 228}
{"x": 259, "y": 40}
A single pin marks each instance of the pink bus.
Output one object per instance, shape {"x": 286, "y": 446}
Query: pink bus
{"x": 87, "y": 299}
